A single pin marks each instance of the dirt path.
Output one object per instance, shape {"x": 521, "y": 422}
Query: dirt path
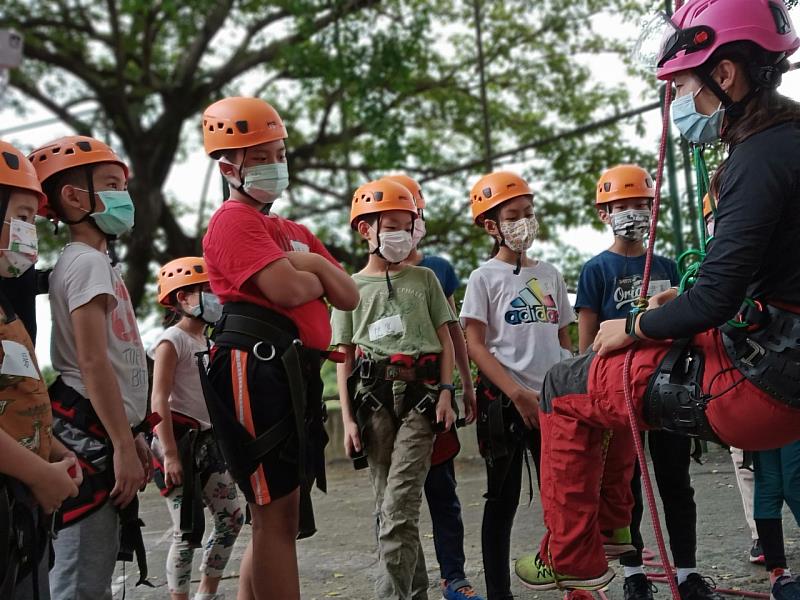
{"x": 339, "y": 561}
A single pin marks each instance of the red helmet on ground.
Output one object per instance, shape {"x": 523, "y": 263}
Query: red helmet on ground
{"x": 699, "y": 27}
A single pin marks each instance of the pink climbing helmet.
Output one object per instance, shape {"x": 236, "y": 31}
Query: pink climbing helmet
{"x": 699, "y": 27}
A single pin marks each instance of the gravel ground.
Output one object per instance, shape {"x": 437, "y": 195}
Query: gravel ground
{"x": 339, "y": 561}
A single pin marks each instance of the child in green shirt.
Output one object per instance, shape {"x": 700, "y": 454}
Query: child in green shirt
{"x": 396, "y": 382}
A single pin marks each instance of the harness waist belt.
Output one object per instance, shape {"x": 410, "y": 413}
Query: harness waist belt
{"x": 770, "y": 356}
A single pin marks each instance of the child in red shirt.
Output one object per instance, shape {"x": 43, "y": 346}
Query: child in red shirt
{"x": 263, "y": 386}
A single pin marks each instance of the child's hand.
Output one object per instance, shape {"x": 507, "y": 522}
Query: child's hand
{"x": 146, "y": 458}
{"x": 352, "y": 441}
{"x": 55, "y": 484}
{"x": 527, "y": 404}
{"x": 444, "y": 410}
{"x": 470, "y": 404}
{"x": 611, "y": 337}
{"x": 173, "y": 470}
{"x": 128, "y": 472}
{"x": 75, "y": 471}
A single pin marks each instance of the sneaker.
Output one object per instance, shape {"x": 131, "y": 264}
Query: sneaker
{"x": 756, "y": 553}
{"x": 535, "y": 574}
{"x": 638, "y": 587}
{"x": 785, "y": 587}
{"x": 462, "y": 592}
{"x": 617, "y": 542}
{"x": 697, "y": 587}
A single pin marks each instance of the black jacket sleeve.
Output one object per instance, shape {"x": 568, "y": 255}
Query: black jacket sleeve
{"x": 757, "y": 184}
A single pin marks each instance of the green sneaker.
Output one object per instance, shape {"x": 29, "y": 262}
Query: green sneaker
{"x": 617, "y": 542}
{"x": 535, "y": 574}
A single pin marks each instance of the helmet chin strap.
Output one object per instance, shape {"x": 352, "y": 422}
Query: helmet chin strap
{"x": 734, "y": 109}
{"x": 502, "y": 242}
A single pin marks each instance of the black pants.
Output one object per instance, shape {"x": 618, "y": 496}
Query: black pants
{"x": 670, "y": 456}
{"x": 504, "y": 479}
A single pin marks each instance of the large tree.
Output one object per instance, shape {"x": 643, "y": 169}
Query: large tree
{"x": 365, "y": 86}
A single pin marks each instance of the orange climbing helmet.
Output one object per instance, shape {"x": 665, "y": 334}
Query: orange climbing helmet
{"x": 178, "y": 273}
{"x": 17, "y": 171}
{"x": 239, "y": 122}
{"x": 378, "y": 196}
{"x": 493, "y": 189}
{"x": 623, "y": 182}
{"x": 411, "y": 185}
{"x": 69, "y": 152}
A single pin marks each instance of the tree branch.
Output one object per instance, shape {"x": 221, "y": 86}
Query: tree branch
{"x": 61, "y": 112}
{"x": 242, "y": 61}
{"x": 185, "y": 69}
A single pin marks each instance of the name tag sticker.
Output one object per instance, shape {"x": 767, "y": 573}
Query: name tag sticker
{"x": 658, "y": 286}
{"x": 17, "y": 361}
{"x": 386, "y": 326}
{"x": 299, "y": 246}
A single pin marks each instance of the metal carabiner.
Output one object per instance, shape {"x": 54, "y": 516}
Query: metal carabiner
{"x": 263, "y": 358}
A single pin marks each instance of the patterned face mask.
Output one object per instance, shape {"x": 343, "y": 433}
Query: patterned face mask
{"x": 631, "y": 224}
{"x": 519, "y": 235}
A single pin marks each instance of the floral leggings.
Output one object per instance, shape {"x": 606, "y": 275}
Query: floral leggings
{"x": 219, "y": 497}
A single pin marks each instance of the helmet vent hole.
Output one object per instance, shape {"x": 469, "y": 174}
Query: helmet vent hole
{"x": 487, "y": 192}
{"x": 84, "y": 145}
{"x": 69, "y": 151}
{"x": 229, "y": 131}
{"x": 241, "y": 126}
{"x": 12, "y": 160}
{"x": 378, "y": 196}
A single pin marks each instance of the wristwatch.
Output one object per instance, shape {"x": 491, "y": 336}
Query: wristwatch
{"x": 447, "y": 386}
{"x": 630, "y": 322}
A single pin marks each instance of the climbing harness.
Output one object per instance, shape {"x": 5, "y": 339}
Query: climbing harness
{"x": 269, "y": 336}
{"x": 370, "y": 388}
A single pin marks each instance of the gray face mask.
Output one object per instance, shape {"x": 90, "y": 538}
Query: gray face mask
{"x": 209, "y": 309}
{"x": 631, "y": 225}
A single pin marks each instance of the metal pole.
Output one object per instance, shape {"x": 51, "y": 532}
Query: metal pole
{"x": 694, "y": 239}
{"x": 487, "y": 134}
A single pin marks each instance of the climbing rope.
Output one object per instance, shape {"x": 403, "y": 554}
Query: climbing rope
{"x": 640, "y": 304}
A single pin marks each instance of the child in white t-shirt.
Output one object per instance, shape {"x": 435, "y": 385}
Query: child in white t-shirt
{"x": 516, "y": 314}
{"x": 190, "y": 468}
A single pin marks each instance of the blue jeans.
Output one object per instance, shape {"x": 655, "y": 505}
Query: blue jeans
{"x": 448, "y": 529}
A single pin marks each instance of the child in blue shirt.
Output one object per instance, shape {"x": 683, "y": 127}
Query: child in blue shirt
{"x": 608, "y": 285}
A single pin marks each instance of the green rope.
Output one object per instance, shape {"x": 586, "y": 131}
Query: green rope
{"x": 689, "y": 261}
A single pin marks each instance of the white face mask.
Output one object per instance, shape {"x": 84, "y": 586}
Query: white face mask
{"x": 22, "y": 251}
{"x": 209, "y": 309}
{"x": 395, "y": 246}
{"x": 631, "y": 225}
{"x": 519, "y": 235}
{"x": 419, "y": 231}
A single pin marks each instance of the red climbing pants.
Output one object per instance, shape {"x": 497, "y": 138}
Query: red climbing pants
{"x": 583, "y": 400}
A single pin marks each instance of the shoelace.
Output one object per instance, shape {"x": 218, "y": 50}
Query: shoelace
{"x": 703, "y": 584}
{"x": 543, "y": 570}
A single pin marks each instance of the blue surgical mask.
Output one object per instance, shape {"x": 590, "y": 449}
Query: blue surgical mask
{"x": 117, "y": 218}
{"x": 693, "y": 125}
{"x": 264, "y": 183}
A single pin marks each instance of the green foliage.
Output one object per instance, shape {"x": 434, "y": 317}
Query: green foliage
{"x": 365, "y": 86}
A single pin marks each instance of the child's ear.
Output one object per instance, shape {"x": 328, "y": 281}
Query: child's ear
{"x": 490, "y": 226}
{"x": 604, "y": 216}
{"x": 363, "y": 229}
{"x": 227, "y": 168}
{"x": 70, "y": 196}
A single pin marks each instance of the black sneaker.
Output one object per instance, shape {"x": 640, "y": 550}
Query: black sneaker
{"x": 638, "y": 587}
{"x": 697, "y": 587}
{"x": 785, "y": 587}
{"x": 757, "y": 553}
